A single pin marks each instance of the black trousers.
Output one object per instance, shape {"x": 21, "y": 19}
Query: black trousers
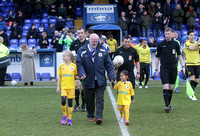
{"x": 131, "y": 77}
{"x": 90, "y": 101}
{"x": 2, "y": 75}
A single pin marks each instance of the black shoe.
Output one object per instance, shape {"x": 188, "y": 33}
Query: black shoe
{"x": 98, "y": 121}
{"x": 83, "y": 109}
{"x": 31, "y": 83}
{"x": 25, "y": 84}
{"x": 76, "y": 108}
{"x": 167, "y": 109}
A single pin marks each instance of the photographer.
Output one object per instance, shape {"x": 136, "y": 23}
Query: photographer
{"x": 67, "y": 38}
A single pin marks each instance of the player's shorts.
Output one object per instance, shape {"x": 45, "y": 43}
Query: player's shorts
{"x": 70, "y": 93}
{"x": 122, "y": 107}
{"x": 192, "y": 70}
{"x": 168, "y": 73}
{"x": 144, "y": 68}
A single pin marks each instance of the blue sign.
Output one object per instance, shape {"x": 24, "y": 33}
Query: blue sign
{"x": 98, "y": 14}
{"x": 46, "y": 60}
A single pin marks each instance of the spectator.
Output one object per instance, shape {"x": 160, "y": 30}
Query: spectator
{"x": 70, "y": 11}
{"x": 166, "y": 22}
{"x": 10, "y": 18}
{"x": 5, "y": 37}
{"x": 140, "y": 10}
{"x": 176, "y": 37}
{"x": 54, "y": 42}
{"x": 185, "y": 8}
{"x": 62, "y": 11}
{"x": 103, "y": 43}
{"x": 69, "y": 23}
{"x": 52, "y": 10}
{"x": 159, "y": 9}
{"x": 43, "y": 41}
{"x": 146, "y": 23}
{"x": 60, "y": 24}
{"x": 18, "y": 4}
{"x": 39, "y": 5}
{"x": 151, "y": 10}
{"x": 100, "y": 34}
{"x": 2, "y": 24}
{"x": 129, "y": 11}
{"x": 50, "y": 30}
{"x": 178, "y": 15}
{"x": 32, "y": 32}
{"x": 4, "y": 62}
{"x": 191, "y": 15}
{"x": 123, "y": 22}
{"x": 28, "y": 66}
{"x": 167, "y": 10}
{"x": 152, "y": 42}
{"x": 134, "y": 28}
{"x": 132, "y": 3}
{"x": 28, "y": 9}
{"x": 142, "y": 2}
{"x": 41, "y": 29}
{"x": 16, "y": 31}
{"x": 93, "y": 75}
{"x": 20, "y": 18}
{"x": 112, "y": 43}
{"x": 175, "y": 3}
{"x": 157, "y": 25}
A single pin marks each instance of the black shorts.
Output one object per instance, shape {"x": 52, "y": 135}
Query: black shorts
{"x": 131, "y": 77}
{"x": 168, "y": 73}
{"x": 192, "y": 70}
{"x": 144, "y": 68}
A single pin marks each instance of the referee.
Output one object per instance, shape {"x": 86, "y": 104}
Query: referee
{"x": 166, "y": 52}
{"x": 191, "y": 49}
{"x": 130, "y": 55}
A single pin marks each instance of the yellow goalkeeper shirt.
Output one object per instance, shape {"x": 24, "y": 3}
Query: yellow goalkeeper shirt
{"x": 144, "y": 54}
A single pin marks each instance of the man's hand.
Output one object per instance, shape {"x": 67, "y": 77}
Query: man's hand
{"x": 137, "y": 76}
{"x": 83, "y": 77}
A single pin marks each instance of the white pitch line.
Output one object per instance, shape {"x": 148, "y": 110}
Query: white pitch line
{"x": 122, "y": 126}
{"x": 10, "y": 87}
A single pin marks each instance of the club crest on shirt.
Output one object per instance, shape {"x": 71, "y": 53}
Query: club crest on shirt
{"x": 130, "y": 57}
{"x": 100, "y": 54}
{"x": 173, "y": 51}
{"x": 72, "y": 68}
{"x": 127, "y": 87}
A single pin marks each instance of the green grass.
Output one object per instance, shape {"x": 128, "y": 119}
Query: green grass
{"x": 37, "y": 112}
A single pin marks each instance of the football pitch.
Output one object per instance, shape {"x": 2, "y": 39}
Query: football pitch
{"x": 36, "y": 111}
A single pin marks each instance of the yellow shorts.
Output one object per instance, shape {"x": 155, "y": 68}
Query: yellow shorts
{"x": 122, "y": 107}
{"x": 70, "y": 93}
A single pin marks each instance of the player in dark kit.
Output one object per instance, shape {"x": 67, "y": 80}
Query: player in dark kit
{"x": 130, "y": 55}
{"x": 166, "y": 52}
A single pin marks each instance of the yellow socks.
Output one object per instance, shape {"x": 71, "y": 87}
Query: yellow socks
{"x": 64, "y": 110}
{"x": 70, "y": 110}
{"x": 126, "y": 108}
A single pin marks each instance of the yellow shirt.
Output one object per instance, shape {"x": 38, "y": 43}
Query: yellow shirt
{"x": 192, "y": 57}
{"x": 144, "y": 54}
{"x": 112, "y": 44}
{"x": 67, "y": 75}
{"x": 125, "y": 91}
{"x": 137, "y": 46}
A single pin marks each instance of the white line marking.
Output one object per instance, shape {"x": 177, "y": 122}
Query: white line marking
{"x": 16, "y": 87}
{"x": 122, "y": 126}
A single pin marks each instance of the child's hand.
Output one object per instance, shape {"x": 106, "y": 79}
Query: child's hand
{"x": 58, "y": 90}
{"x": 132, "y": 101}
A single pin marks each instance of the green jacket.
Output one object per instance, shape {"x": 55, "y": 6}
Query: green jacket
{"x": 191, "y": 18}
{"x": 178, "y": 15}
{"x": 67, "y": 41}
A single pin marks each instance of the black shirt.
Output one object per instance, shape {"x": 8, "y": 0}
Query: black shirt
{"x": 75, "y": 45}
{"x": 129, "y": 56}
{"x": 59, "y": 47}
{"x": 167, "y": 51}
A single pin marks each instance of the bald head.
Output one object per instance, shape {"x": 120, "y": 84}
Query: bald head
{"x": 94, "y": 40}
{"x": 1, "y": 39}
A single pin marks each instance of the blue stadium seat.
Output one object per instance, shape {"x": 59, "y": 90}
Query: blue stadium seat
{"x": 37, "y": 25}
{"x": 52, "y": 21}
{"x": 135, "y": 39}
{"x": 155, "y": 77}
{"x": 8, "y": 33}
{"x": 36, "y": 21}
{"x": 32, "y": 41}
{"x": 7, "y": 28}
{"x": 13, "y": 47}
{"x": 79, "y": 11}
{"x": 184, "y": 26}
{"x": 197, "y": 19}
{"x": 142, "y": 37}
{"x": 44, "y": 21}
{"x": 16, "y": 76}
{"x": 26, "y": 27}
{"x": 6, "y": 10}
{"x": 7, "y": 77}
{"x": 38, "y": 77}
{"x": 64, "y": 47}
{"x": 46, "y": 77}
{"x": 14, "y": 41}
{"x": 160, "y": 38}
{"x": 24, "y": 34}
{"x": 23, "y": 40}
{"x": 44, "y": 15}
{"x": 30, "y": 46}
{"x": 179, "y": 33}
{"x": 28, "y": 21}
{"x": 184, "y": 32}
